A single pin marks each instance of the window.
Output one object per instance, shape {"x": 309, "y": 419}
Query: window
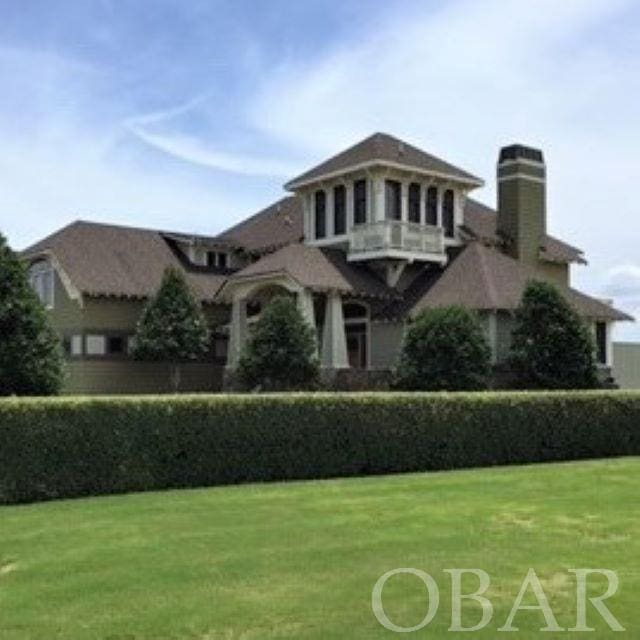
{"x": 414, "y": 202}
{"x": 220, "y": 347}
{"x": 115, "y": 344}
{"x": 447, "y": 213}
{"x": 41, "y": 279}
{"x": 96, "y": 345}
{"x": 339, "y": 210}
{"x": 217, "y": 259}
{"x": 392, "y": 200}
{"x": 601, "y": 342}
{"x": 76, "y": 345}
{"x": 356, "y": 328}
{"x": 320, "y": 214}
{"x": 432, "y": 206}
{"x": 360, "y": 202}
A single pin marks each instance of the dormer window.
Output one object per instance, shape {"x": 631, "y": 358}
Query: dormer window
{"x": 339, "y": 210}
{"x": 448, "y": 213}
{"x": 392, "y": 200}
{"x": 217, "y": 259}
{"x": 360, "y": 202}
{"x": 432, "y": 206}
{"x": 41, "y": 279}
{"x": 414, "y": 202}
{"x": 320, "y": 212}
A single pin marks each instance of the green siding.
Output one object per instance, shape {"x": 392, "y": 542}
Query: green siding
{"x": 386, "y": 341}
{"x": 66, "y": 314}
{"x": 626, "y": 364}
{"x": 100, "y": 376}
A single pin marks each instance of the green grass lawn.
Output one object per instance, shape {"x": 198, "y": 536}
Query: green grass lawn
{"x": 299, "y": 560}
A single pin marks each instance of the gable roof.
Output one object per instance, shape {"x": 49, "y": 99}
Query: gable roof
{"x": 276, "y": 225}
{"x": 485, "y": 279}
{"x": 381, "y": 148}
{"x": 319, "y": 269}
{"x": 109, "y": 260}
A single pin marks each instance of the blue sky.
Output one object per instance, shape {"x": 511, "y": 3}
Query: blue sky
{"x": 189, "y": 114}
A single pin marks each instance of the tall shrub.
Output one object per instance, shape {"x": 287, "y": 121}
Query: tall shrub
{"x": 172, "y": 327}
{"x": 552, "y": 347}
{"x": 444, "y": 349}
{"x": 281, "y": 351}
{"x": 31, "y": 360}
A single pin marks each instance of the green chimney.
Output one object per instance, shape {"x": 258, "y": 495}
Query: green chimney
{"x": 522, "y": 209}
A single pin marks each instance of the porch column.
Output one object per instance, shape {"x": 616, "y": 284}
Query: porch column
{"x": 237, "y": 331}
{"x": 441, "y": 190}
{"x": 305, "y": 306}
{"x": 379, "y": 212}
{"x": 404, "y": 201}
{"x": 334, "y": 340}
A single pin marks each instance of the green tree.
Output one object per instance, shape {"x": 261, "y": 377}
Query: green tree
{"x": 444, "y": 349}
{"x": 552, "y": 347}
{"x": 172, "y": 327}
{"x": 281, "y": 350}
{"x": 31, "y": 361}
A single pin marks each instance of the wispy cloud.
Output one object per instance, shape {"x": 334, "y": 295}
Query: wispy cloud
{"x": 191, "y": 149}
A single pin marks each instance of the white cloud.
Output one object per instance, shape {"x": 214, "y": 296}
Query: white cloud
{"x": 192, "y": 149}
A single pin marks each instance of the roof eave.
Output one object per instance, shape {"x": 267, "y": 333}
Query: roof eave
{"x": 298, "y": 183}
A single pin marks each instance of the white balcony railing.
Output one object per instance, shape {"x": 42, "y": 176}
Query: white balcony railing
{"x": 395, "y": 237}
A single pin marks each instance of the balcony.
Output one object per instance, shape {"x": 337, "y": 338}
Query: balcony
{"x": 397, "y": 239}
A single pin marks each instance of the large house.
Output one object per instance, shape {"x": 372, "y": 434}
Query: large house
{"x": 365, "y": 241}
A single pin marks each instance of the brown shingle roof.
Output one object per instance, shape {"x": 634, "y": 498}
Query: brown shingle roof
{"x": 108, "y": 260}
{"x": 277, "y": 225}
{"x": 319, "y": 269}
{"x": 383, "y": 148}
{"x": 483, "y": 278}
{"x": 481, "y": 221}
{"x": 281, "y": 223}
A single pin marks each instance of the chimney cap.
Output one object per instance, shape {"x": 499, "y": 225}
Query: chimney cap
{"x": 520, "y": 152}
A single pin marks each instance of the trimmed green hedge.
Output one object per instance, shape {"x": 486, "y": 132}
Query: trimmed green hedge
{"x": 68, "y": 447}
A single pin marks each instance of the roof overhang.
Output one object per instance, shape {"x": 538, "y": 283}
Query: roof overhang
{"x": 244, "y": 285}
{"x": 472, "y": 182}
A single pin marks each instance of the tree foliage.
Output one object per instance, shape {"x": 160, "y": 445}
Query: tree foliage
{"x": 281, "y": 350}
{"x": 31, "y": 361}
{"x": 172, "y": 327}
{"x": 552, "y": 347}
{"x": 444, "y": 349}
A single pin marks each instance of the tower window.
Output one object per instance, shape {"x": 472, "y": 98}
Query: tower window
{"x": 339, "y": 210}
{"x": 360, "y": 202}
{"x": 432, "y": 206}
{"x": 392, "y": 197}
{"x": 448, "y": 213}
{"x": 414, "y": 202}
{"x": 320, "y": 211}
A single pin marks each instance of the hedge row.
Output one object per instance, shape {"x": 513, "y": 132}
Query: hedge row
{"x": 62, "y": 448}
